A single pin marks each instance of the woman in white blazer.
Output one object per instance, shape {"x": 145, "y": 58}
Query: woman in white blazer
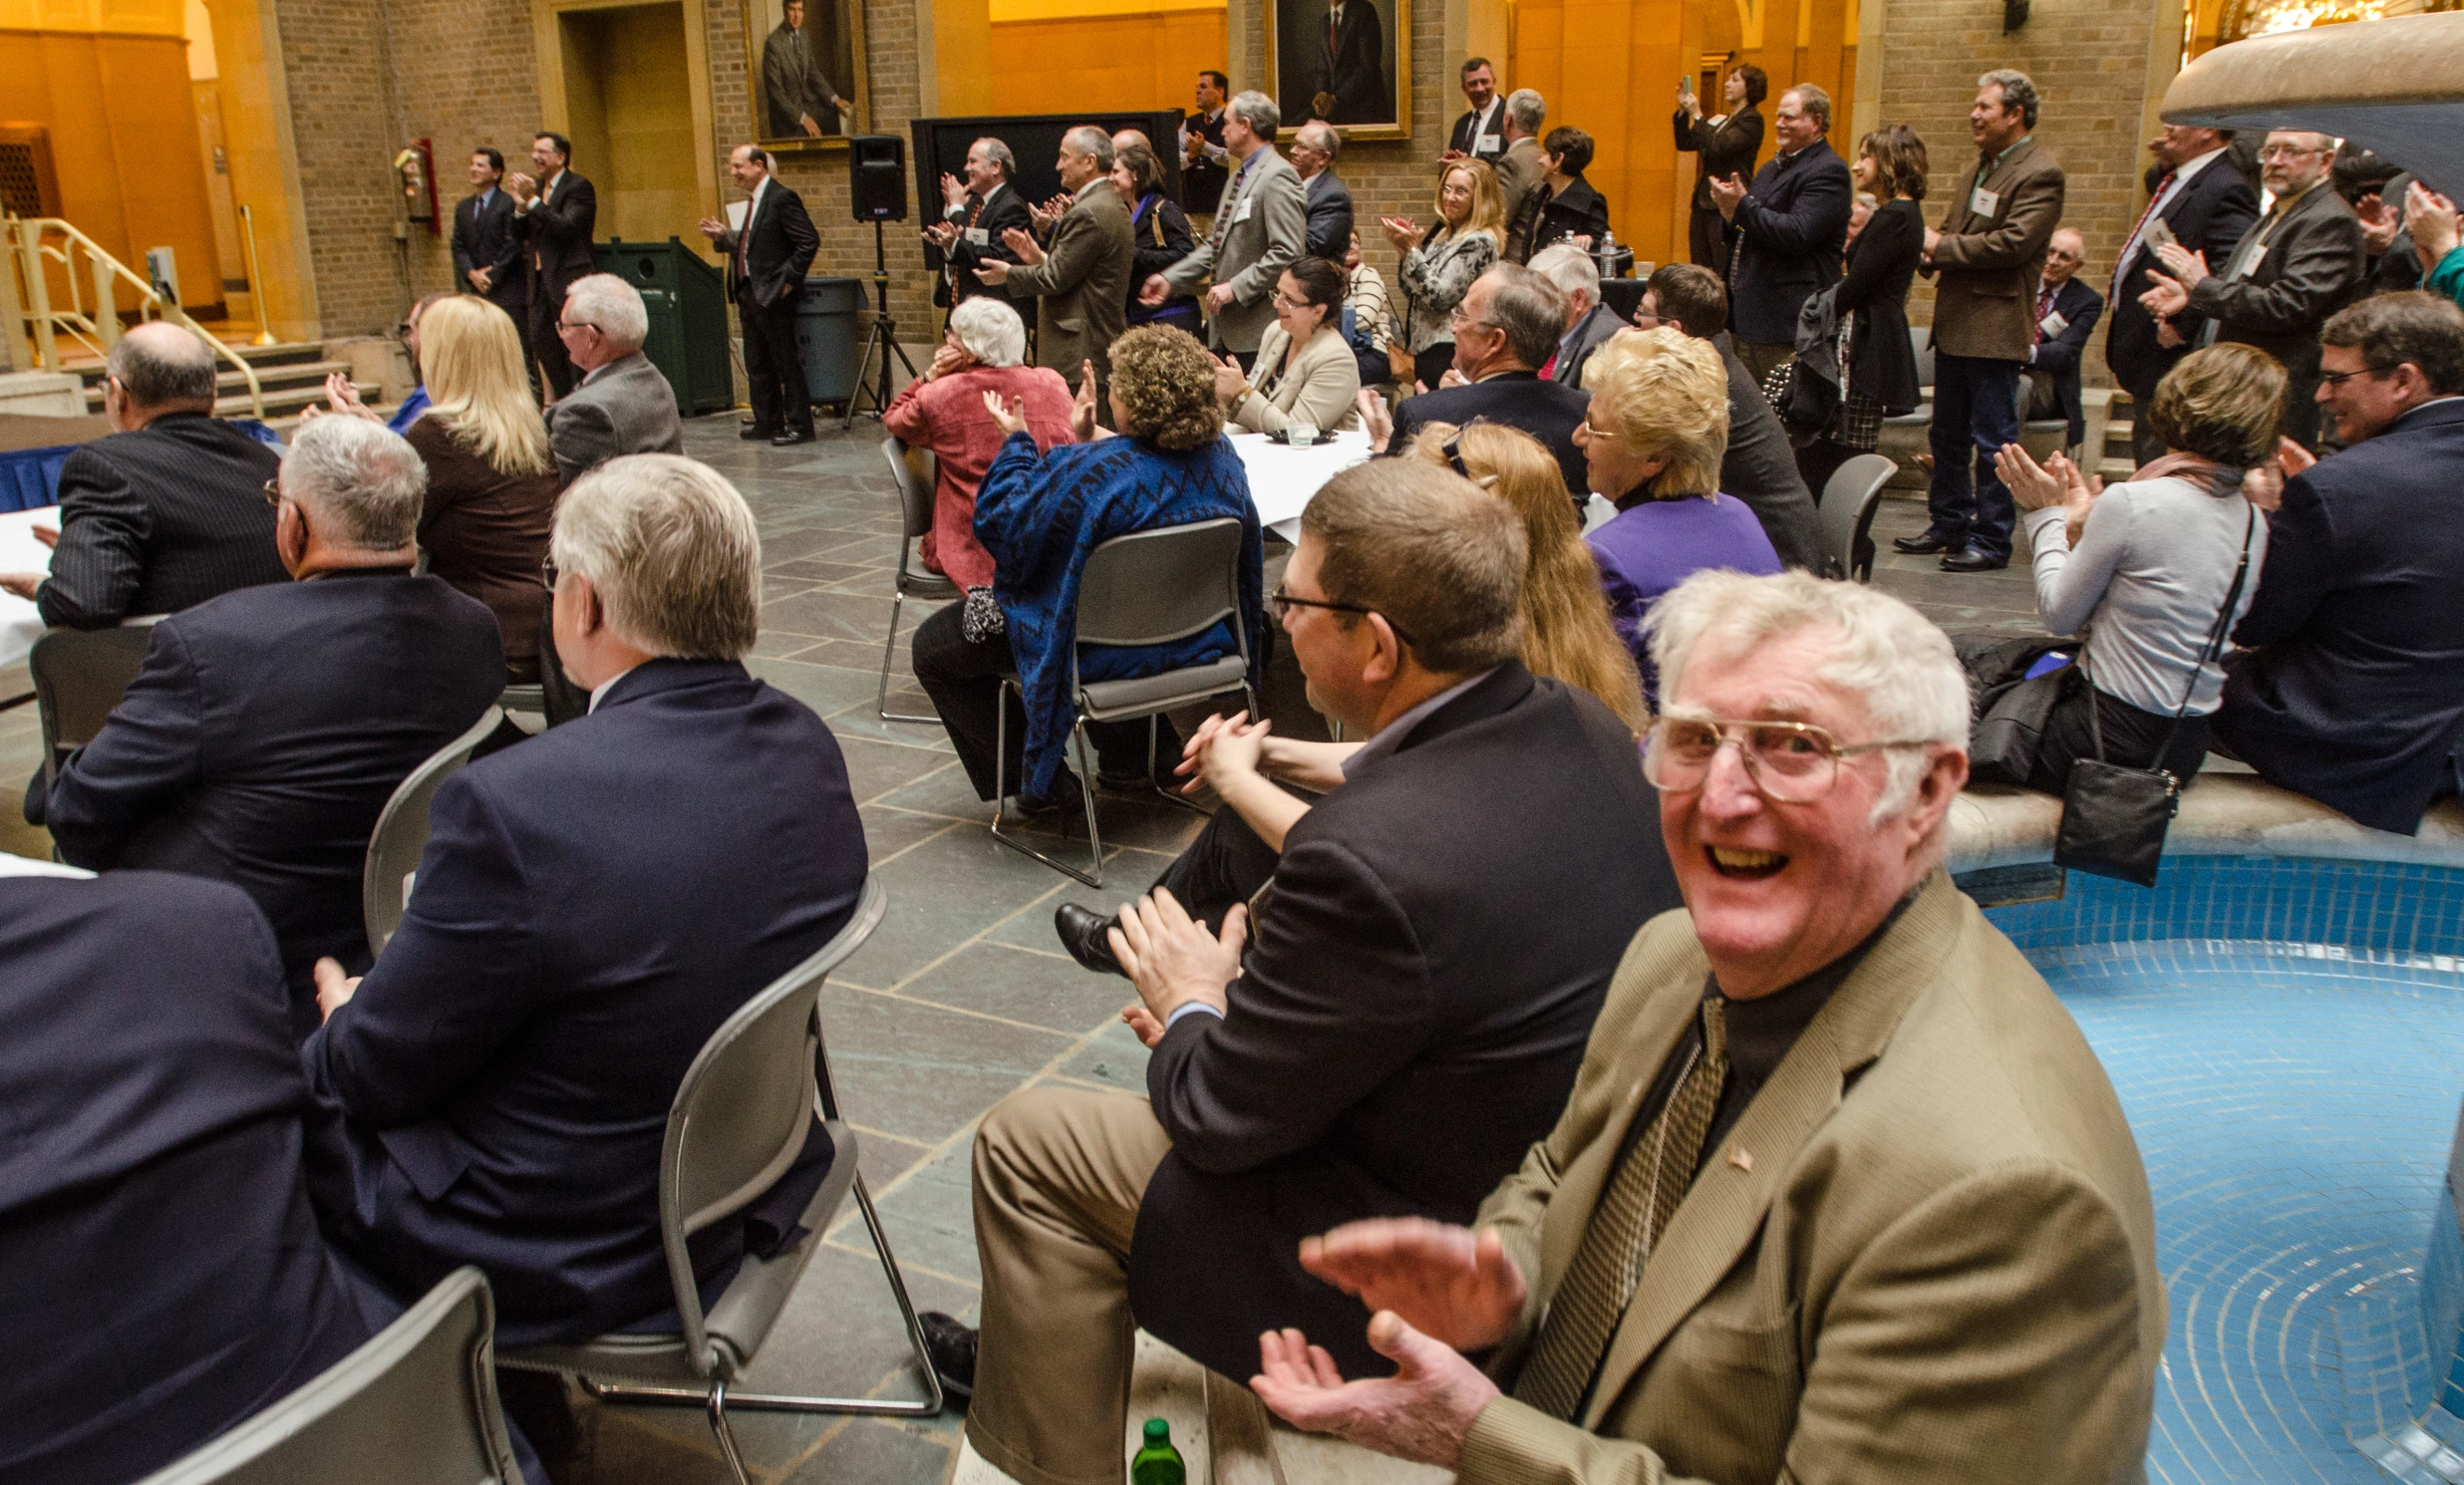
{"x": 1305, "y": 371}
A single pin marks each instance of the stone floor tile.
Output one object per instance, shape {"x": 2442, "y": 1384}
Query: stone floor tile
{"x": 1112, "y": 1057}
{"x": 1019, "y": 985}
{"x": 930, "y": 1215}
{"x": 921, "y": 1071}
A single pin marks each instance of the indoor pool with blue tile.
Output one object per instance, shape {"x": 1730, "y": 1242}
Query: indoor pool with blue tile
{"x": 2287, "y": 1041}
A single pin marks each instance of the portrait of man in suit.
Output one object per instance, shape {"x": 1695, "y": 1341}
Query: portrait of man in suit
{"x": 806, "y": 53}
{"x": 1336, "y": 61}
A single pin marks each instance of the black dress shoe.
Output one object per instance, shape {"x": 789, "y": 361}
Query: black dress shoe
{"x": 1973, "y": 559}
{"x": 1924, "y": 545}
{"x": 1083, "y": 932}
{"x": 793, "y": 436}
{"x": 754, "y": 433}
{"x": 953, "y": 1350}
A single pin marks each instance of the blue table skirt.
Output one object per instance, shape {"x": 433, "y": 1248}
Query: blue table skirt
{"x": 31, "y": 476}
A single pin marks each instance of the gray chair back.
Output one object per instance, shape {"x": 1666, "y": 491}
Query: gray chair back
{"x": 1921, "y": 341}
{"x": 739, "y": 1120}
{"x": 416, "y": 1405}
{"x": 1848, "y": 501}
{"x": 402, "y": 833}
{"x": 1154, "y": 587}
{"x": 79, "y": 675}
{"x": 915, "y": 492}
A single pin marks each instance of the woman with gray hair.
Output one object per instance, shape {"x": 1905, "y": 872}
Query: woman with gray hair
{"x": 942, "y": 412}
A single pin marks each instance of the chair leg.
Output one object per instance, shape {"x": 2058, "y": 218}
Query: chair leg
{"x": 1155, "y": 780}
{"x": 889, "y": 652}
{"x": 1001, "y": 797}
{"x": 716, "y": 1411}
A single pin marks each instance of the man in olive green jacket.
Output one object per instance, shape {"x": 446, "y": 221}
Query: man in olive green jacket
{"x": 1081, "y": 278}
{"x": 1841, "y": 1193}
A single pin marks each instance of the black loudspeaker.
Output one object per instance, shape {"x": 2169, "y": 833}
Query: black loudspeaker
{"x": 877, "y": 177}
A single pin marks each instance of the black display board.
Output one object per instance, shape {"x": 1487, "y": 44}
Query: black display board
{"x": 941, "y": 148}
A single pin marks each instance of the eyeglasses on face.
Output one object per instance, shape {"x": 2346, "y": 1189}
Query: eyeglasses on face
{"x": 1283, "y": 603}
{"x": 2290, "y": 152}
{"x": 1791, "y": 762}
{"x": 576, "y": 325}
{"x": 274, "y": 493}
{"x": 2339, "y": 379}
{"x": 548, "y": 572}
{"x": 1458, "y": 320}
{"x": 1593, "y": 430}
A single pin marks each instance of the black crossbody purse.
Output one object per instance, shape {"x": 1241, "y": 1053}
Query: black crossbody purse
{"x": 2115, "y": 818}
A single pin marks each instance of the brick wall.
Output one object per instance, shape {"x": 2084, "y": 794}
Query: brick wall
{"x": 336, "y": 56}
{"x": 2089, "y": 58}
{"x": 465, "y": 75}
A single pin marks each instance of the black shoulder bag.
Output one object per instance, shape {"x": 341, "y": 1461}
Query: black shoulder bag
{"x": 2115, "y": 818}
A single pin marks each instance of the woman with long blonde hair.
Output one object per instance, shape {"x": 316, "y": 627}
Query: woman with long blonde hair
{"x": 492, "y": 481}
{"x": 1566, "y": 629}
{"x": 1438, "y": 267}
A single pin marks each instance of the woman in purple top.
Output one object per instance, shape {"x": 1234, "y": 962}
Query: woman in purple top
{"x": 1655, "y": 432}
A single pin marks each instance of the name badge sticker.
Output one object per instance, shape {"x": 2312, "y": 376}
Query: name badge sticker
{"x": 1488, "y": 144}
{"x": 2054, "y": 324}
{"x": 2258, "y": 255}
{"x": 979, "y": 236}
{"x": 1240, "y": 213}
{"x": 1984, "y": 202}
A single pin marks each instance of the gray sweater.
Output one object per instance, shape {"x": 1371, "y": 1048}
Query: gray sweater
{"x": 2151, "y": 572}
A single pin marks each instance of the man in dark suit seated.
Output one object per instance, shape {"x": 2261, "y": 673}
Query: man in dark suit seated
{"x": 268, "y": 727}
{"x": 2065, "y": 312}
{"x": 165, "y": 512}
{"x": 156, "y": 1245}
{"x": 1405, "y": 1018}
{"x": 2349, "y": 686}
{"x": 1589, "y": 321}
{"x": 1507, "y": 330}
{"x": 593, "y": 903}
{"x": 623, "y": 403}
{"x": 1760, "y": 466}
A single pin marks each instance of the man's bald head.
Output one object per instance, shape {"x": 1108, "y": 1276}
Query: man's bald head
{"x": 160, "y": 368}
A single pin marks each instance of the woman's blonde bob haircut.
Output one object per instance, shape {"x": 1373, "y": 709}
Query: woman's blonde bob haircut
{"x": 1166, "y": 385}
{"x": 1488, "y": 200}
{"x": 1566, "y": 630}
{"x": 671, "y": 549}
{"x": 2224, "y": 402}
{"x": 470, "y": 358}
{"x": 1668, "y": 394}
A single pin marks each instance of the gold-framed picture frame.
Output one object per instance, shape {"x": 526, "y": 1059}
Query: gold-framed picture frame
{"x": 1319, "y": 70}
{"x": 805, "y": 68}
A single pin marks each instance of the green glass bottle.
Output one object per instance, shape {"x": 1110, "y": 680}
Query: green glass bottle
{"x": 1157, "y": 1462}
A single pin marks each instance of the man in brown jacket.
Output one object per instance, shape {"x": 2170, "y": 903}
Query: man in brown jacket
{"x": 1081, "y": 279}
{"x": 1841, "y": 1193}
{"x": 1990, "y": 254}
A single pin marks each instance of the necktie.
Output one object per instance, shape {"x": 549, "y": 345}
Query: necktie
{"x": 2044, "y": 306}
{"x": 745, "y": 236}
{"x": 1649, "y": 1183}
{"x": 2130, "y": 244}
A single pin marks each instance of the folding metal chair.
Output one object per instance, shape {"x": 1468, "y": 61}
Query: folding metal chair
{"x": 1849, "y": 499}
{"x": 79, "y": 675}
{"x": 915, "y": 506}
{"x": 402, "y": 832}
{"x": 738, "y": 1122}
{"x": 416, "y": 1405}
{"x": 1145, "y": 589}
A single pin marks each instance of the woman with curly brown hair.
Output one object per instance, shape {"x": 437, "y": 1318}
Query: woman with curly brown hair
{"x": 1038, "y": 515}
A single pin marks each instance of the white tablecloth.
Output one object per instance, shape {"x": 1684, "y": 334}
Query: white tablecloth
{"x": 20, "y": 627}
{"x": 1282, "y": 480}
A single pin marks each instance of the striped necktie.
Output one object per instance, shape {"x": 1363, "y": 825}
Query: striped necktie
{"x": 1651, "y": 1182}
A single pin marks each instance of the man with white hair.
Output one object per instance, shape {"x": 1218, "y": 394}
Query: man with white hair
{"x": 1315, "y": 145}
{"x": 979, "y": 210}
{"x": 1841, "y": 1191}
{"x": 1589, "y": 321}
{"x": 269, "y": 726}
{"x": 1260, "y": 229}
{"x": 593, "y": 904}
{"x": 1520, "y": 169}
{"x": 1079, "y": 276}
{"x": 2295, "y": 266}
{"x": 623, "y": 403}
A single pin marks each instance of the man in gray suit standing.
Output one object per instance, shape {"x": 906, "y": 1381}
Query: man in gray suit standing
{"x": 1080, "y": 280}
{"x": 1258, "y": 232}
{"x": 623, "y": 405}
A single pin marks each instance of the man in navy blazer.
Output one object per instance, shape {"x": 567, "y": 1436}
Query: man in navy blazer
{"x": 160, "y": 1265}
{"x": 2205, "y": 204}
{"x": 2066, "y": 311}
{"x": 2349, "y": 687}
{"x": 268, "y": 727}
{"x": 1508, "y": 329}
{"x": 592, "y": 905}
{"x": 1793, "y": 227}
{"x": 487, "y": 254}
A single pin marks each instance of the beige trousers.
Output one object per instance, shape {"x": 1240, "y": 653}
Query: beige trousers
{"x": 1058, "y": 1176}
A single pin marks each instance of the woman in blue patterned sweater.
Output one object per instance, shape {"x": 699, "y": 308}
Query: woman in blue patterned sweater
{"x": 1040, "y": 514}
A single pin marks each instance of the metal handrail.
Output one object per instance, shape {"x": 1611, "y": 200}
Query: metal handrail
{"x": 99, "y": 330}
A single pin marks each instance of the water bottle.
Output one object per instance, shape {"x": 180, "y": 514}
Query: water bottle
{"x": 1157, "y": 1462}
{"x": 1608, "y": 254}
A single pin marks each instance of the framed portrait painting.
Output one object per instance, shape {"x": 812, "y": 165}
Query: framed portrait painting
{"x": 1346, "y": 62}
{"x": 806, "y": 59}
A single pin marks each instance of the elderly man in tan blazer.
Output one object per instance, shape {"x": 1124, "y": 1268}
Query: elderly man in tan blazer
{"x": 1841, "y": 1193}
{"x": 1989, "y": 254}
{"x": 1081, "y": 279}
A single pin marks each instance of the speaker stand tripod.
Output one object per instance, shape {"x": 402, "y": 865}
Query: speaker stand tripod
{"x": 883, "y": 341}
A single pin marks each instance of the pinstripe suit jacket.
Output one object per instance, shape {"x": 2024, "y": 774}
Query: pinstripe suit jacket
{"x": 159, "y": 520}
{"x": 1924, "y": 1254}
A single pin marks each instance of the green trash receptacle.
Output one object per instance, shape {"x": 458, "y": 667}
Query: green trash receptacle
{"x": 687, "y": 302}
{"x": 826, "y": 338}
